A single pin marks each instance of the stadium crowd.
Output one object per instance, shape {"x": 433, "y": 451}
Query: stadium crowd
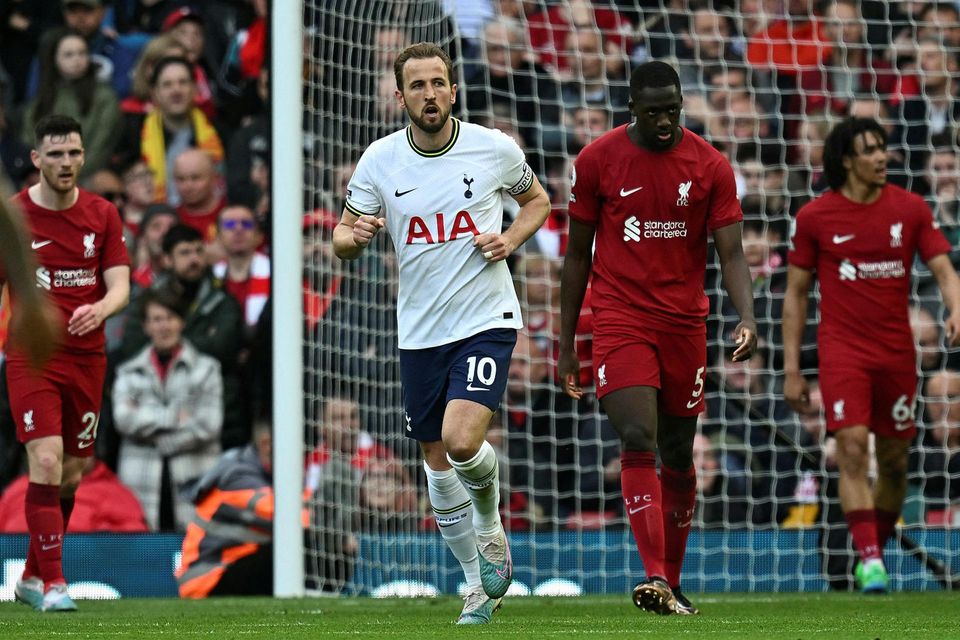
{"x": 173, "y": 98}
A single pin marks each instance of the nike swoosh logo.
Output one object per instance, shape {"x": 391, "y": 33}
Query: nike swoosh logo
{"x": 684, "y": 524}
{"x": 470, "y": 387}
{"x": 693, "y": 403}
{"x": 37, "y": 245}
{"x": 397, "y": 193}
{"x": 503, "y": 573}
{"x": 638, "y": 509}
{"x": 85, "y": 444}
{"x": 47, "y": 547}
{"x": 842, "y": 239}
{"x": 624, "y": 193}
{"x": 901, "y": 426}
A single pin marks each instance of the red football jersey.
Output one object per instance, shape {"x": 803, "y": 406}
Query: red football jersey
{"x": 862, "y": 254}
{"x": 652, "y": 212}
{"x": 73, "y": 248}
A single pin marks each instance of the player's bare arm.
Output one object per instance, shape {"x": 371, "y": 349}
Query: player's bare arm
{"x": 949, "y": 284}
{"x": 352, "y": 235}
{"x": 89, "y": 317}
{"x": 795, "y": 389}
{"x": 577, "y": 263}
{"x": 35, "y": 322}
{"x": 534, "y": 209}
{"x": 736, "y": 280}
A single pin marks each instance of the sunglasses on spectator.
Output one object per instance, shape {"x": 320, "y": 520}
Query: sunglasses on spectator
{"x": 230, "y": 225}
{"x": 113, "y": 195}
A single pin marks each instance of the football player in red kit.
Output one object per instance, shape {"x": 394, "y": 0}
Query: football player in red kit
{"x": 650, "y": 192}
{"x": 77, "y": 241}
{"x": 860, "y": 239}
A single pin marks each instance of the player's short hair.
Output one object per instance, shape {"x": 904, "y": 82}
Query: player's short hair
{"x": 56, "y": 125}
{"x": 165, "y": 62}
{"x": 839, "y": 145}
{"x": 421, "y": 51}
{"x": 653, "y": 74}
{"x": 178, "y": 234}
{"x": 162, "y": 297}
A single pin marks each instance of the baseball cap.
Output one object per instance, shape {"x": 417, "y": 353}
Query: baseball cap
{"x": 179, "y": 15}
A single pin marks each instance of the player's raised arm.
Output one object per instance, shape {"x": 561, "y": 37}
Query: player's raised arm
{"x": 534, "y": 209}
{"x": 577, "y": 263}
{"x": 949, "y": 284}
{"x": 736, "y": 280}
{"x": 352, "y": 235}
{"x": 794, "y": 321}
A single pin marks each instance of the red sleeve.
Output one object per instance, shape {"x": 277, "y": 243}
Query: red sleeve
{"x": 803, "y": 243}
{"x": 724, "y": 206}
{"x": 114, "y": 247}
{"x": 585, "y": 199}
{"x": 930, "y": 240}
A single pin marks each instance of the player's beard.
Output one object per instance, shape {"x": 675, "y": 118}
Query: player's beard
{"x": 426, "y": 127}
{"x": 53, "y": 180}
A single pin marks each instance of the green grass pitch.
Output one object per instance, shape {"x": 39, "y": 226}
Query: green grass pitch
{"x": 738, "y": 616}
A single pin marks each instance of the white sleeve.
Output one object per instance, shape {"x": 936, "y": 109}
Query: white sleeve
{"x": 516, "y": 174}
{"x": 363, "y": 195}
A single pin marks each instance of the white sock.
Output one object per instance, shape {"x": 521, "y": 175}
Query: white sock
{"x": 480, "y": 476}
{"x": 451, "y": 507}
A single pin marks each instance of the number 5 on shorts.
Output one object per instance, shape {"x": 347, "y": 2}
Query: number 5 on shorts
{"x": 698, "y": 388}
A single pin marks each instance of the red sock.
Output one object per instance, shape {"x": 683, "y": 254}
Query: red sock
{"x": 641, "y": 496}
{"x": 45, "y": 521}
{"x": 679, "y": 491}
{"x": 886, "y": 521}
{"x": 863, "y": 528}
{"x": 66, "y": 508}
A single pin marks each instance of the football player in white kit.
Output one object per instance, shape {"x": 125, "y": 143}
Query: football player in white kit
{"x": 438, "y": 187}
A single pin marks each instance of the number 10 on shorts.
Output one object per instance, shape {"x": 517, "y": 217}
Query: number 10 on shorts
{"x": 483, "y": 369}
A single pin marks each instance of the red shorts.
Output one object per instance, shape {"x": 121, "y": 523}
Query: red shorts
{"x": 673, "y": 363}
{"x": 62, "y": 400}
{"x": 883, "y": 400}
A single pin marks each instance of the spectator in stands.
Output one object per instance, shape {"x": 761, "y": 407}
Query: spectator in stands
{"x": 200, "y": 197}
{"x": 173, "y": 125}
{"x": 926, "y": 335}
{"x": 333, "y": 479}
{"x": 138, "y": 189}
{"x": 590, "y": 121}
{"x": 709, "y": 50}
{"x": 852, "y": 68}
{"x": 713, "y": 509}
{"x": 590, "y": 78}
{"x": 549, "y": 29}
{"x": 540, "y": 297}
{"x": 509, "y": 77}
{"x": 249, "y": 155}
{"x": 943, "y": 190}
{"x": 935, "y": 461}
{"x": 228, "y": 546}
{"x": 159, "y": 47}
{"x": 805, "y": 172}
{"x": 388, "y": 497}
{"x": 115, "y": 53}
{"x": 245, "y": 271}
{"x": 149, "y": 261}
{"x": 937, "y": 110}
{"x": 543, "y": 427}
{"x": 69, "y": 86}
{"x": 108, "y": 185}
{"x": 102, "y": 503}
{"x": 168, "y": 406}
{"x": 551, "y": 238}
{"x": 186, "y": 26}
{"x": 795, "y": 41}
{"x": 213, "y": 323}
{"x": 14, "y": 153}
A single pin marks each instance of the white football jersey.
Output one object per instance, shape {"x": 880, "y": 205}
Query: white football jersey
{"x": 434, "y": 203}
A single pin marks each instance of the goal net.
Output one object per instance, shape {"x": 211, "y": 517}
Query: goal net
{"x": 554, "y": 75}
